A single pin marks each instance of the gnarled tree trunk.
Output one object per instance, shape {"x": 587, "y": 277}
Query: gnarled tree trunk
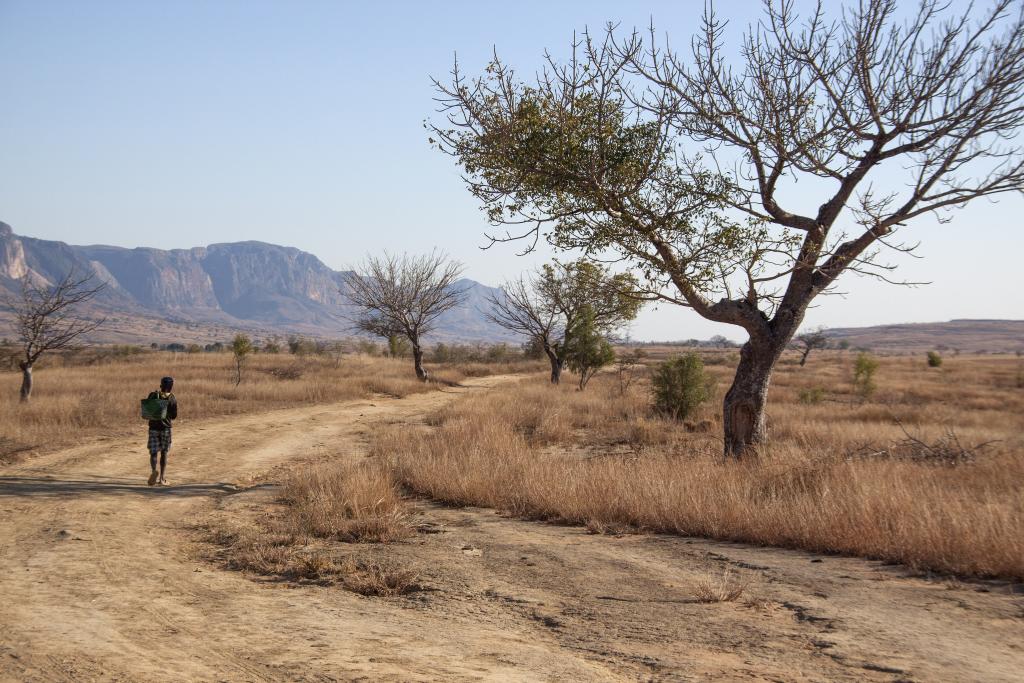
{"x": 417, "y": 358}
{"x": 743, "y": 408}
{"x": 26, "y": 381}
{"x": 556, "y": 364}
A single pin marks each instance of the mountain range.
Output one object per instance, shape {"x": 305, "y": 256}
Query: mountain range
{"x": 265, "y": 288}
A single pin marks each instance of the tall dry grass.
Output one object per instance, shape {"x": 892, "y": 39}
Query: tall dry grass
{"x": 837, "y": 476}
{"x": 98, "y": 394}
{"x": 351, "y": 502}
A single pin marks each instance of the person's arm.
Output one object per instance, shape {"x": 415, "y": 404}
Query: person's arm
{"x": 172, "y": 408}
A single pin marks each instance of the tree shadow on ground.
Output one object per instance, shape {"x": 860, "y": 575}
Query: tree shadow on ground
{"x": 54, "y": 487}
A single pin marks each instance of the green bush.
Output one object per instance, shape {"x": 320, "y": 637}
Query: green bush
{"x": 680, "y": 385}
{"x": 586, "y": 349}
{"x": 812, "y": 396}
{"x": 934, "y": 359}
{"x": 864, "y": 369}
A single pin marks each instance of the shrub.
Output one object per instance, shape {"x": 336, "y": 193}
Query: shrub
{"x": 680, "y": 385}
{"x": 812, "y": 396}
{"x": 864, "y": 369}
{"x": 934, "y": 359}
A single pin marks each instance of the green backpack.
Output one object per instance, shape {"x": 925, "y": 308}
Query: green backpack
{"x": 154, "y": 408}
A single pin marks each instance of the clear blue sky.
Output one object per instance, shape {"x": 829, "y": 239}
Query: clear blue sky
{"x": 180, "y": 124}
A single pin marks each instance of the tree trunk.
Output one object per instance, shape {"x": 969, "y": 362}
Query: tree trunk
{"x": 556, "y": 364}
{"x": 803, "y": 358}
{"x": 743, "y": 408}
{"x": 417, "y": 357}
{"x": 26, "y": 381}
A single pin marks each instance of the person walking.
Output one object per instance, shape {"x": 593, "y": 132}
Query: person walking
{"x": 160, "y": 432}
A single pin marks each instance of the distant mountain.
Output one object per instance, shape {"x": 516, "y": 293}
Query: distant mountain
{"x": 245, "y": 285}
{"x": 969, "y": 336}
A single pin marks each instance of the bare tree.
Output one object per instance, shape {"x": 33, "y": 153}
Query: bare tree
{"x": 520, "y": 310}
{"x": 590, "y": 156}
{"x": 546, "y": 305}
{"x": 404, "y": 295}
{"x": 47, "y": 318}
{"x": 809, "y": 341}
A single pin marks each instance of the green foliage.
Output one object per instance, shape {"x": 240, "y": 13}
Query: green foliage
{"x": 399, "y": 346}
{"x": 569, "y": 287}
{"x": 193, "y": 348}
{"x": 585, "y": 349}
{"x": 934, "y": 359}
{"x": 272, "y": 346}
{"x": 864, "y": 369}
{"x": 241, "y": 347}
{"x": 812, "y": 396}
{"x": 680, "y": 385}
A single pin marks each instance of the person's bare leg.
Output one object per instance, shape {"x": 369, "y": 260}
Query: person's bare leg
{"x": 163, "y": 467}
{"x": 153, "y": 475}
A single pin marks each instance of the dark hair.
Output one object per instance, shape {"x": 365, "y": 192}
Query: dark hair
{"x": 166, "y": 382}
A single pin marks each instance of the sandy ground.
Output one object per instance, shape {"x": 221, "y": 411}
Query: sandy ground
{"x": 104, "y": 578}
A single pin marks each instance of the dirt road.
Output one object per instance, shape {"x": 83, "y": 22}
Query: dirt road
{"x": 102, "y": 578}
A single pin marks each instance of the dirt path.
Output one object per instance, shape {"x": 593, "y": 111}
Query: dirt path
{"x": 99, "y": 580}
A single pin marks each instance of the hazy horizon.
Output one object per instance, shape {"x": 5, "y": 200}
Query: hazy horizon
{"x": 143, "y": 125}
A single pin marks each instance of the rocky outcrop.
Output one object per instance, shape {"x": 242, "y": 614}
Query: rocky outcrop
{"x": 254, "y": 284}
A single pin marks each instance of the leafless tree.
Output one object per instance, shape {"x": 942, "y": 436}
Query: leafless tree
{"x": 809, "y": 341}
{"x": 404, "y": 295}
{"x": 590, "y": 155}
{"x": 48, "y": 318}
{"x": 520, "y": 310}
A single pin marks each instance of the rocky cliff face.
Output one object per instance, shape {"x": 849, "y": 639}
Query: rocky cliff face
{"x": 279, "y": 289}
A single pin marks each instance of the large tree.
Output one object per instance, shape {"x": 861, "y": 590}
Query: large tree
{"x": 48, "y": 317}
{"x": 685, "y": 167}
{"x": 404, "y": 295}
{"x": 545, "y": 305}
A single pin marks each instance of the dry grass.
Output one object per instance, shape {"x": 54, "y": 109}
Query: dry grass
{"x": 726, "y": 587}
{"x": 352, "y": 502}
{"x": 296, "y": 540}
{"x": 97, "y": 394}
{"x": 603, "y": 460}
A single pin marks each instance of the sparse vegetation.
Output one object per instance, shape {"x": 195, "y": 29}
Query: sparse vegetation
{"x": 864, "y": 369}
{"x": 681, "y": 166}
{"x": 95, "y": 391}
{"x": 608, "y": 461}
{"x": 934, "y": 359}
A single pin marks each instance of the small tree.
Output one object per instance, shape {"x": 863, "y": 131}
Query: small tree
{"x": 809, "y": 341}
{"x": 48, "y": 318}
{"x": 585, "y": 349}
{"x": 398, "y": 346}
{"x": 241, "y": 347}
{"x": 864, "y": 369}
{"x": 934, "y": 359}
{"x": 272, "y": 345}
{"x": 404, "y": 295}
{"x": 680, "y": 385}
{"x": 626, "y": 364}
{"x": 543, "y": 306}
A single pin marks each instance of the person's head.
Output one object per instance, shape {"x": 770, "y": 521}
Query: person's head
{"x": 166, "y": 383}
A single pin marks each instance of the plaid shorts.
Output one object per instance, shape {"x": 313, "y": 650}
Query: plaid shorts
{"x": 159, "y": 440}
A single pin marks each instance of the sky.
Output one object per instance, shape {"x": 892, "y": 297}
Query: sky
{"x": 180, "y": 124}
